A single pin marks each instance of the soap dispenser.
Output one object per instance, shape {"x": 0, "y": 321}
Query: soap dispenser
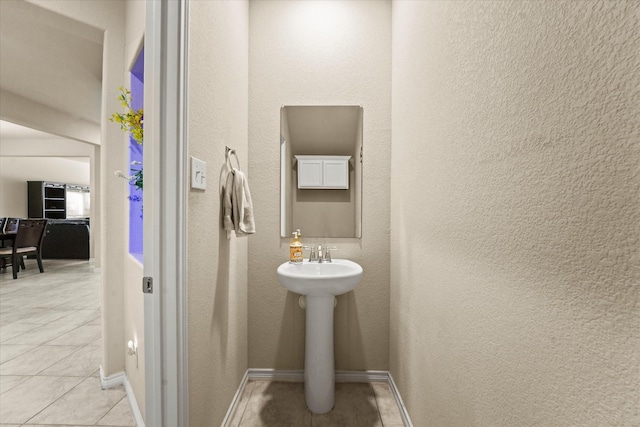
{"x": 295, "y": 248}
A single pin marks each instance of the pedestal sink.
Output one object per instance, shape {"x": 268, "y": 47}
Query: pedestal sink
{"x": 320, "y": 283}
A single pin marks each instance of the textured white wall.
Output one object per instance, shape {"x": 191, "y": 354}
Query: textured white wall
{"x": 217, "y": 267}
{"x": 134, "y": 328}
{"x": 133, "y": 270}
{"x": 515, "y": 212}
{"x": 44, "y": 57}
{"x": 319, "y": 53}
{"x": 113, "y": 204}
{"x": 16, "y": 171}
{"x": 108, "y": 16}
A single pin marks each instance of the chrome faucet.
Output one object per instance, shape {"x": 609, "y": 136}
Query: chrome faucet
{"x": 327, "y": 254}
{"x": 312, "y": 254}
{"x": 319, "y": 254}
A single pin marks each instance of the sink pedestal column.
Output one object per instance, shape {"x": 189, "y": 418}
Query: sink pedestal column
{"x": 319, "y": 373}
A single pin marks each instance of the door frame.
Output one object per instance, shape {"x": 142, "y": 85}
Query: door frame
{"x": 165, "y": 315}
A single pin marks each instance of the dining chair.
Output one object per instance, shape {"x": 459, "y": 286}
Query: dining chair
{"x": 28, "y": 241}
{"x": 8, "y": 226}
{"x": 11, "y": 225}
{"x": 3, "y": 261}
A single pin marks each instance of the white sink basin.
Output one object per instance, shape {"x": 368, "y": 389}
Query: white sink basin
{"x": 328, "y": 278}
{"x": 320, "y": 283}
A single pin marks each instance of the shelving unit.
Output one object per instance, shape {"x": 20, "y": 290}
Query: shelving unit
{"x": 47, "y": 200}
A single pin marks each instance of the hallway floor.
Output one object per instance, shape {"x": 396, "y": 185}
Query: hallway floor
{"x": 50, "y": 349}
{"x": 282, "y": 404}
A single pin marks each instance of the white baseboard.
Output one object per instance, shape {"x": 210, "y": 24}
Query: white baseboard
{"x": 298, "y": 376}
{"x": 113, "y": 380}
{"x": 133, "y": 403}
{"x": 403, "y": 410}
{"x": 236, "y": 399}
{"x": 120, "y": 378}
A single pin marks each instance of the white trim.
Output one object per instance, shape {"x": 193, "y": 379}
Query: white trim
{"x": 151, "y": 257}
{"x": 118, "y": 379}
{"x": 362, "y": 376}
{"x": 151, "y": 227}
{"x": 133, "y": 403}
{"x": 283, "y": 182}
{"x": 236, "y": 399}
{"x": 165, "y": 214}
{"x": 403, "y": 409}
{"x": 275, "y": 375}
{"x": 113, "y": 380}
{"x": 298, "y": 376}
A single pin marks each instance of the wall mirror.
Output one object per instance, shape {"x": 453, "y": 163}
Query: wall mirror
{"x": 321, "y": 171}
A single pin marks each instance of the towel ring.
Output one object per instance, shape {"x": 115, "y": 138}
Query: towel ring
{"x": 228, "y": 153}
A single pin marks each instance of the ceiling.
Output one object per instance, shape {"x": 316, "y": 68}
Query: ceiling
{"x": 51, "y": 60}
{"x": 12, "y": 131}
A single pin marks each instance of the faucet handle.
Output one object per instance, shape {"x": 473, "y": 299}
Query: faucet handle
{"x": 327, "y": 253}
{"x": 312, "y": 253}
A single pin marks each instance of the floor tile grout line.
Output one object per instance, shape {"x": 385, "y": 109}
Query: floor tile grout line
{"x": 71, "y": 330}
{"x": 19, "y": 354}
{"x": 8, "y": 318}
{"x": 375, "y": 398}
{"x": 247, "y": 404}
{"x": 67, "y": 392}
{"x": 55, "y": 363}
{"x": 60, "y": 397}
{"x": 11, "y": 388}
{"x": 110, "y": 409}
{"x": 53, "y": 339}
{"x": 44, "y": 369}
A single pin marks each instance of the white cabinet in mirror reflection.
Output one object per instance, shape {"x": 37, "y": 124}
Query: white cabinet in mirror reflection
{"x": 323, "y": 172}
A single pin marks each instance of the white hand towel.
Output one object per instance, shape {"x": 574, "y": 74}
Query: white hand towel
{"x": 242, "y": 205}
{"x": 227, "y": 206}
{"x": 237, "y": 205}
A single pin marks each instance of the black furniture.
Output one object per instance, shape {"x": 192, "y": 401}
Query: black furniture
{"x": 66, "y": 239}
{"x": 27, "y": 241}
{"x": 6, "y": 240}
{"x": 47, "y": 199}
{"x": 10, "y": 225}
{"x": 7, "y": 236}
{"x": 56, "y": 200}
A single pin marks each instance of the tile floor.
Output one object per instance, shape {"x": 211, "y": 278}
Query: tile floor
{"x": 281, "y": 404}
{"x": 50, "y": 349}
{"x": 50, "y": 355}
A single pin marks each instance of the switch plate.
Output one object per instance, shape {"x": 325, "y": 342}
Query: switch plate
{"x": 198, "y": 174}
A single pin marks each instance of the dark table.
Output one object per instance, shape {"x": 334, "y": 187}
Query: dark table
{"x": 6, "y": 236}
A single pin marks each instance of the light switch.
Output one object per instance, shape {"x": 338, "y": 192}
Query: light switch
{"x": 198, "y": 174}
